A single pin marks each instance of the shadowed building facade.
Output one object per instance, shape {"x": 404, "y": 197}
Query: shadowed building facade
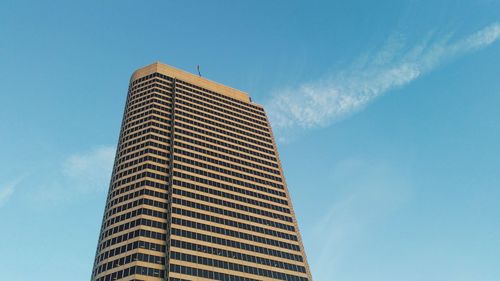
{"x": 197, "y": 190}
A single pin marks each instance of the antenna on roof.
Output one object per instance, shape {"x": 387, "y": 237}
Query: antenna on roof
{"x": 198, "y": 67}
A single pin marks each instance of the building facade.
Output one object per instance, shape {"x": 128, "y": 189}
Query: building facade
{"x": 197, "y": 190}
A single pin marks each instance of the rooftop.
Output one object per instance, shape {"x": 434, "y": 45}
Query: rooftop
{"x": 190, "y": 78}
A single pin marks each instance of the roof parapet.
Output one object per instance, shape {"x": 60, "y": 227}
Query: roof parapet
{"x": 190, "y": 78}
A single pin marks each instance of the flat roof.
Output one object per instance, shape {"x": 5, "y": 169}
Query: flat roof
{"x": 190, "y": 78}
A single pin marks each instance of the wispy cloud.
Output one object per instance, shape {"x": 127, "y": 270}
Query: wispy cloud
{"x": 81, "y": 173}
{"x": 89, "y": 170}
{"x": 338, "y": 95}
{"x": 6, "y": 191}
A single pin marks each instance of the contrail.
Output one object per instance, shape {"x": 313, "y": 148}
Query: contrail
{"x": 338, "y": 95}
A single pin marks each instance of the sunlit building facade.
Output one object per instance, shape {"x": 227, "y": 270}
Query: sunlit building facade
{"x": 197, "y": 190}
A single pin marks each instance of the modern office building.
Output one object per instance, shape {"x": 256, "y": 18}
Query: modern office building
{"x": 197, "y": 190}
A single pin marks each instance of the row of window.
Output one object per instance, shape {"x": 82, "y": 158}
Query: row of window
{"x": 204, "y": 92}
{"x": 148, "y": 86}
{"x": 139, "y": 168}
{"x": 129, "y": 247}
{"x": 201, "y": 140}
{"x": 201, "y": 156}
{"x": 124, "y": 142}
{"x": 147, "y": 105}
{"x": 233, "y": 233}
{"x": 128, "y": 259}
{"x": 228, "y": 213}
{"x": 148, "y": 140}
{"x": 225, "y": 203}
{"x": 131, "y": 235}
{"x": 236, "y": 244}
{"x": 143, "y": 98}
{"x": 221, "y": 149}
{"x": 236, "y": 255}
{"x": 229, "y": 180}
{"x": 231, "y": 223}
{"x": 234, "y": 189}
{"x": 142, "y": 138}
{"x": 151, "y": 141}
{"x": 221, "y": 118}
{"x": 152, "y": 91}
{"x": 199, "y": 100}
{"x": 124, "y": 189}
{"x": 128, "y": 225}
{"x": 218, "y": 133}
{"x": 206, "y": 273}
{"x": 154, "y": 77}
{"x": 144, "y": 190}
{"x": 138, "y": 202}
{"x": 141, "y": 106}
{"x": 144, "y": 120}
{"x": 142, "y": 211}
{"x": 194, "y": 106}
{"x": 139, "y": 153}
{"x": 228, "y": 172}
{"x": 138, "y": 177}
{"x": 139, "y": 97}
{"x": 234, "y": 142}
{"x": 136, "y": 161}
{"x": 198, "y": 95}
{"x": 146, "y": 116}
{"x": 222, "y": 129}
{"x": 235, "y": 267}
{"x": 152, "y": 84}
{"x": 222, "y": 98}
{"x": 202, "y": 151}
{"x": 125, "y": 133}
{"x": 148, "y": 79}
{"x": 143, "y": 132}
{"x": 141, "y": 81}
{"x": 221, "y": 124}
{"x": 148, "y": 110}
{"x": 131, "y": 271}
{"x": 135, "y": 177}
{"x": 147, "y": 159}
{"x": 152, "y": 96}
{"x": 142, "y": 145}
{"x": 131, "y": 113}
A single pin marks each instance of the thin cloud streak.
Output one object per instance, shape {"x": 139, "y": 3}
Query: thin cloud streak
{"x": 338, "y": 95}
{"x": 81, "y": 173}
{"x": 90, "y": 170}
{"x": 7, "y": 190}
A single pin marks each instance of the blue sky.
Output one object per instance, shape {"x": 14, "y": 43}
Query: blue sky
{"x": 386, "y": 112}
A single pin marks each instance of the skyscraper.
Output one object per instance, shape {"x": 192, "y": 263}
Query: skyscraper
{"x": 197, "y": 190}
